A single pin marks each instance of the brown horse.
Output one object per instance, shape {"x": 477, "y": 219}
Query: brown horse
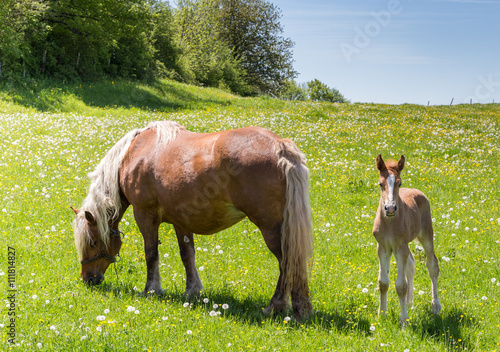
{"x": 403, "y": 214}
{"x": 200, "y": 183}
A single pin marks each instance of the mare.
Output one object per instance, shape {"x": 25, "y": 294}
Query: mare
{"x": 201, "y": 183}
{"x": 403, "y": 214}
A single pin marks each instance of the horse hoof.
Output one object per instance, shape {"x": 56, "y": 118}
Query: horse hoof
{"x": 189, "y": 296}
{"x": 157, "y": 292}
{"x": 436, "y": 307}
{"x": 268, "y": 310}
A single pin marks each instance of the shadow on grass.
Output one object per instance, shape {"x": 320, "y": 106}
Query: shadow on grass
{"x": 249, "y": 309}
{"x": 445, "y": 328}
{"x": 163, "y": 96}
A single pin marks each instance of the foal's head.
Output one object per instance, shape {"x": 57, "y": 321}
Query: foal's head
{"x": 390, "y": 182}
{"x": 96, "y": 251}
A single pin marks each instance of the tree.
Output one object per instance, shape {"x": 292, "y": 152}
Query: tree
{"x": 20, "y": 26}
{"x": 206, "y": 58}
{"x": 293, "y": 91}
{"x": 319, "y": 91}
{"x": 251, "y": 28}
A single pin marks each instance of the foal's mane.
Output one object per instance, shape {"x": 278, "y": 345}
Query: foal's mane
{"x": 103, "y": 200}
{"x": 392, "y": 165}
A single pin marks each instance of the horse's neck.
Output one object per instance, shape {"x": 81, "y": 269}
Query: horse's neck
{"x": 123, "y": 208}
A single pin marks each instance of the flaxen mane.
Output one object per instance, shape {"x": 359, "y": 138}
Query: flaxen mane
{"x": 103, "y": 199}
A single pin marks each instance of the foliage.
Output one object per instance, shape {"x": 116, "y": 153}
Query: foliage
{"x": 293, "y": 91}
{"x": 236, "y": 45}
{"x": 318, "y": 91}
{"x": 253, "y": 31}
{"x": 452, "y": 156}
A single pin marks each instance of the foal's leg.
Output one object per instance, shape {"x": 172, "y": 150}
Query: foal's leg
{"x": 148, "y": 225}
{"x": 410, "y": 274}
{"x": 279, "y": 301}
{"x": 433, "y": 268}
{"x": 402, "y": 254}
{"x": 384, "y": 259}
{"x": 186, "y": 247}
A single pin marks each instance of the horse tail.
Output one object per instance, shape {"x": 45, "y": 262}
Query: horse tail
{"x": 296, "y": 229}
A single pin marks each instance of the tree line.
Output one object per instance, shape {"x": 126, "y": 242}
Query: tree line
{"x": 237, "y": 45}
{"x": 233, "y": 44}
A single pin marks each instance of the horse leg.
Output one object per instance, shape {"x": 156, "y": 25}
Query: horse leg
{"x": 186, "y": 247}
{"x": 384, "y": 258}
{"x": 279, "y": 301}
{"x": 148, "y": 225}
{"x": 410, "y": 274}
{"x": 402, "y": 255}
{"x": 433, "y": 269}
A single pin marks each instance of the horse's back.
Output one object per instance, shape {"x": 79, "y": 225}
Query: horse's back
{"x": 206, "y": 182}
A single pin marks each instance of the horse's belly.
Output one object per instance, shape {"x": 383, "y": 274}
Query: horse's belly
{"x": 207, "y": 221}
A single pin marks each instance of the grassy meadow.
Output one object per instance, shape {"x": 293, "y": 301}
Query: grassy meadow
{"x": 54, "y": 135}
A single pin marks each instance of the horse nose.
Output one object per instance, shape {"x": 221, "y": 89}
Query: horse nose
{"x": 390, "y": 209}
{"x": 94, "y": 280}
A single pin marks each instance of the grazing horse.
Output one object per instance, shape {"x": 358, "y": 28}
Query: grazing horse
{"x": 200, "y": 183}
{"x": 403, "y": 214}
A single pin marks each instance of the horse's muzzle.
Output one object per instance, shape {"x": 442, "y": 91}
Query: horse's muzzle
{"x": 93, "y": 280}
{"x": 390, "y": 209}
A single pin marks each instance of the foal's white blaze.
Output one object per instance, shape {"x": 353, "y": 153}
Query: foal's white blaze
{"x": 391, "y": 180}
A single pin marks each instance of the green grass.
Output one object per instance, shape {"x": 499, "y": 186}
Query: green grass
{"x": 53, "y": 135}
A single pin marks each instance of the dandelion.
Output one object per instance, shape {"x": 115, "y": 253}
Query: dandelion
{"x": 164, "y": 318}
{"x": 189, "y": 332}
{"x": 47, "y": 301}
{"x": 365, "y": 290}
{"x": 215, "y": 306}
{"x": 70, "y": 306}
{"x": 446, "y": 259}
{"x": 372, "y": 327}
{"x": 205, "y": 300}
{"x": 106, "y": 311}
{"x": 421, "y": 292}
{"x": 287, "y": 319}
{"x": 130, "y": 309}
{"x": 484, "y": 298}
{"x": 186, "y": 304}
{"x": 39, "y": 345}
{"x": 53, "y": 327}
{"x": 136, "y": 311}
{"x": 202, "y": 268}
{"x": 84, "y": 337}
{"x": 225, "y": 306}
{"x": 99, "y": 328}
{"x": 493, "y": 280}
{"x": 101, "y": 318}
{"x": 229, "y": 344}
{"x": 212, "y": 313}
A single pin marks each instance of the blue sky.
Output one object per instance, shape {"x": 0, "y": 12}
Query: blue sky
{"x": 398, "y": 51}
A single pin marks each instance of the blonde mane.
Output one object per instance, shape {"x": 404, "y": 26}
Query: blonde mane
{"x": 103, "y": 199}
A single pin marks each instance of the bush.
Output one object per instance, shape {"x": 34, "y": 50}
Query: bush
{"x": 318, "y": 91}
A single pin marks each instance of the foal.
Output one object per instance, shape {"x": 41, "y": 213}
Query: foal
{"x": 403, "y": 214}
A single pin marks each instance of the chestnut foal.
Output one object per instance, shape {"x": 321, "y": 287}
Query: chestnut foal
{"x": 403, "y": 214}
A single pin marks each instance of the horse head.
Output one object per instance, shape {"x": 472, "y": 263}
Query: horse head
{"x": 96, "y": 251}
{"x": 390, "y": 182}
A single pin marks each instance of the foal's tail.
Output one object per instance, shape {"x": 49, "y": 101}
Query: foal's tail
{"x": 296, "y": 230}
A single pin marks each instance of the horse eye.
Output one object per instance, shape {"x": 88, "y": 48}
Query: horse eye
{"x": 93, "y": 244}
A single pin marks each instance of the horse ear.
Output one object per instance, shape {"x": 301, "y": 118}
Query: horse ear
{"x": 75, "y": 210}
{"x": 401, "y": 163}
{"x": 380, "y": 163}
{"x": 89, "y": 217}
